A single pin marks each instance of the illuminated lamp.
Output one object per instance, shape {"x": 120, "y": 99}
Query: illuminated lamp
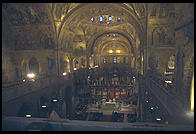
{"x": 117, "y": 51}
{"x": 54, "y": 100}
{"x": 168, "y": 81}
{"x": 110, "y": 51}
{"x": 96, "y": 66}
{"x": 31, "y": 75}
{"x": 64, "y": 73}
{"x": 24, "y": 80}
{"x": 75, "y": 68}
{"x": 158, "y": 119}
{"x": 28, "y": 115}
{"x": 43, "y": 106}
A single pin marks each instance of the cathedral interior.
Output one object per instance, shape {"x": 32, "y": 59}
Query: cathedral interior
{"x": 97, "y": 66}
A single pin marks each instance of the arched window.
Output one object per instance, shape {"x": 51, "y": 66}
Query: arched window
{"x": 101, "y": 18}
{"x": 118, "y": 19}
{"x": 92, "y": 19}
{"x": 110, "y": 18}
{"x": 153, "y": 13}
{"x": 104, "y": 60}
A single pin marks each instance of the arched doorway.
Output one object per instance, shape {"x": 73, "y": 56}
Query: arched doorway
{"x": 113, "y": 48}
{"x": 34, "y": 65}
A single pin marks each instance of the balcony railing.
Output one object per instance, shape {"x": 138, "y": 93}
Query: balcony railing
{"x": 17, "y": 89}
{"x": 172, "y": 103}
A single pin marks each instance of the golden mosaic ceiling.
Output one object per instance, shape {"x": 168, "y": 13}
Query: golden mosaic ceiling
{"x": 65, "y": 23}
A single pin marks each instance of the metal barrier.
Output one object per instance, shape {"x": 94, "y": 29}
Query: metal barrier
{"x": 21, "y": 124}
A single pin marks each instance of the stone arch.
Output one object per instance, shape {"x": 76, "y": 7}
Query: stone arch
{"x": 160, "y": 36}
{"x": 80, "y": 12}
{"x": 126, "y": 11}
{"x": 34, "y": 65}
{"x": 99, "y": 35}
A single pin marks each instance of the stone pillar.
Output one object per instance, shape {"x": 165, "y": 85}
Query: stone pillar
{"x": 68, "y": 100}
{"x": 179, "y": 72}
{"x": 71, "y": 64}
{"x": 87, "y": 61}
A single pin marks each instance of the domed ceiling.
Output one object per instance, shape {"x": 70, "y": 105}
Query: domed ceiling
{"x": 71, "y": 25}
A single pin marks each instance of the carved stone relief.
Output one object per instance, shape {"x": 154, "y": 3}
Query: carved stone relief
{"x": 162, "y": 36}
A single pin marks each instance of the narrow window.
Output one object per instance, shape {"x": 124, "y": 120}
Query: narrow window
{"x": 92, "y": 19}
{"x": 104, "y": 60}
{"x": 115, "y": 60}
{"x": 110, "y": 18}
{"x": 101, "y": 18}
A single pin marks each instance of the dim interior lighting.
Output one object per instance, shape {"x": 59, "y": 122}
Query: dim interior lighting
{"x": 168, "y": 81}
{"x": 117, "y": 51}
{"x": 23, "y": 80}
{"x": 28, "y": 115}
{"x": 75, "y": 68}
{"x": 54, "y": 100}
{"x": 110, "y": 51}
{"x": 64, "y": 73}
{"x": 44, "y": 106}
{"x": 158, "y": 119}
{"x": 31, "y": 75}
